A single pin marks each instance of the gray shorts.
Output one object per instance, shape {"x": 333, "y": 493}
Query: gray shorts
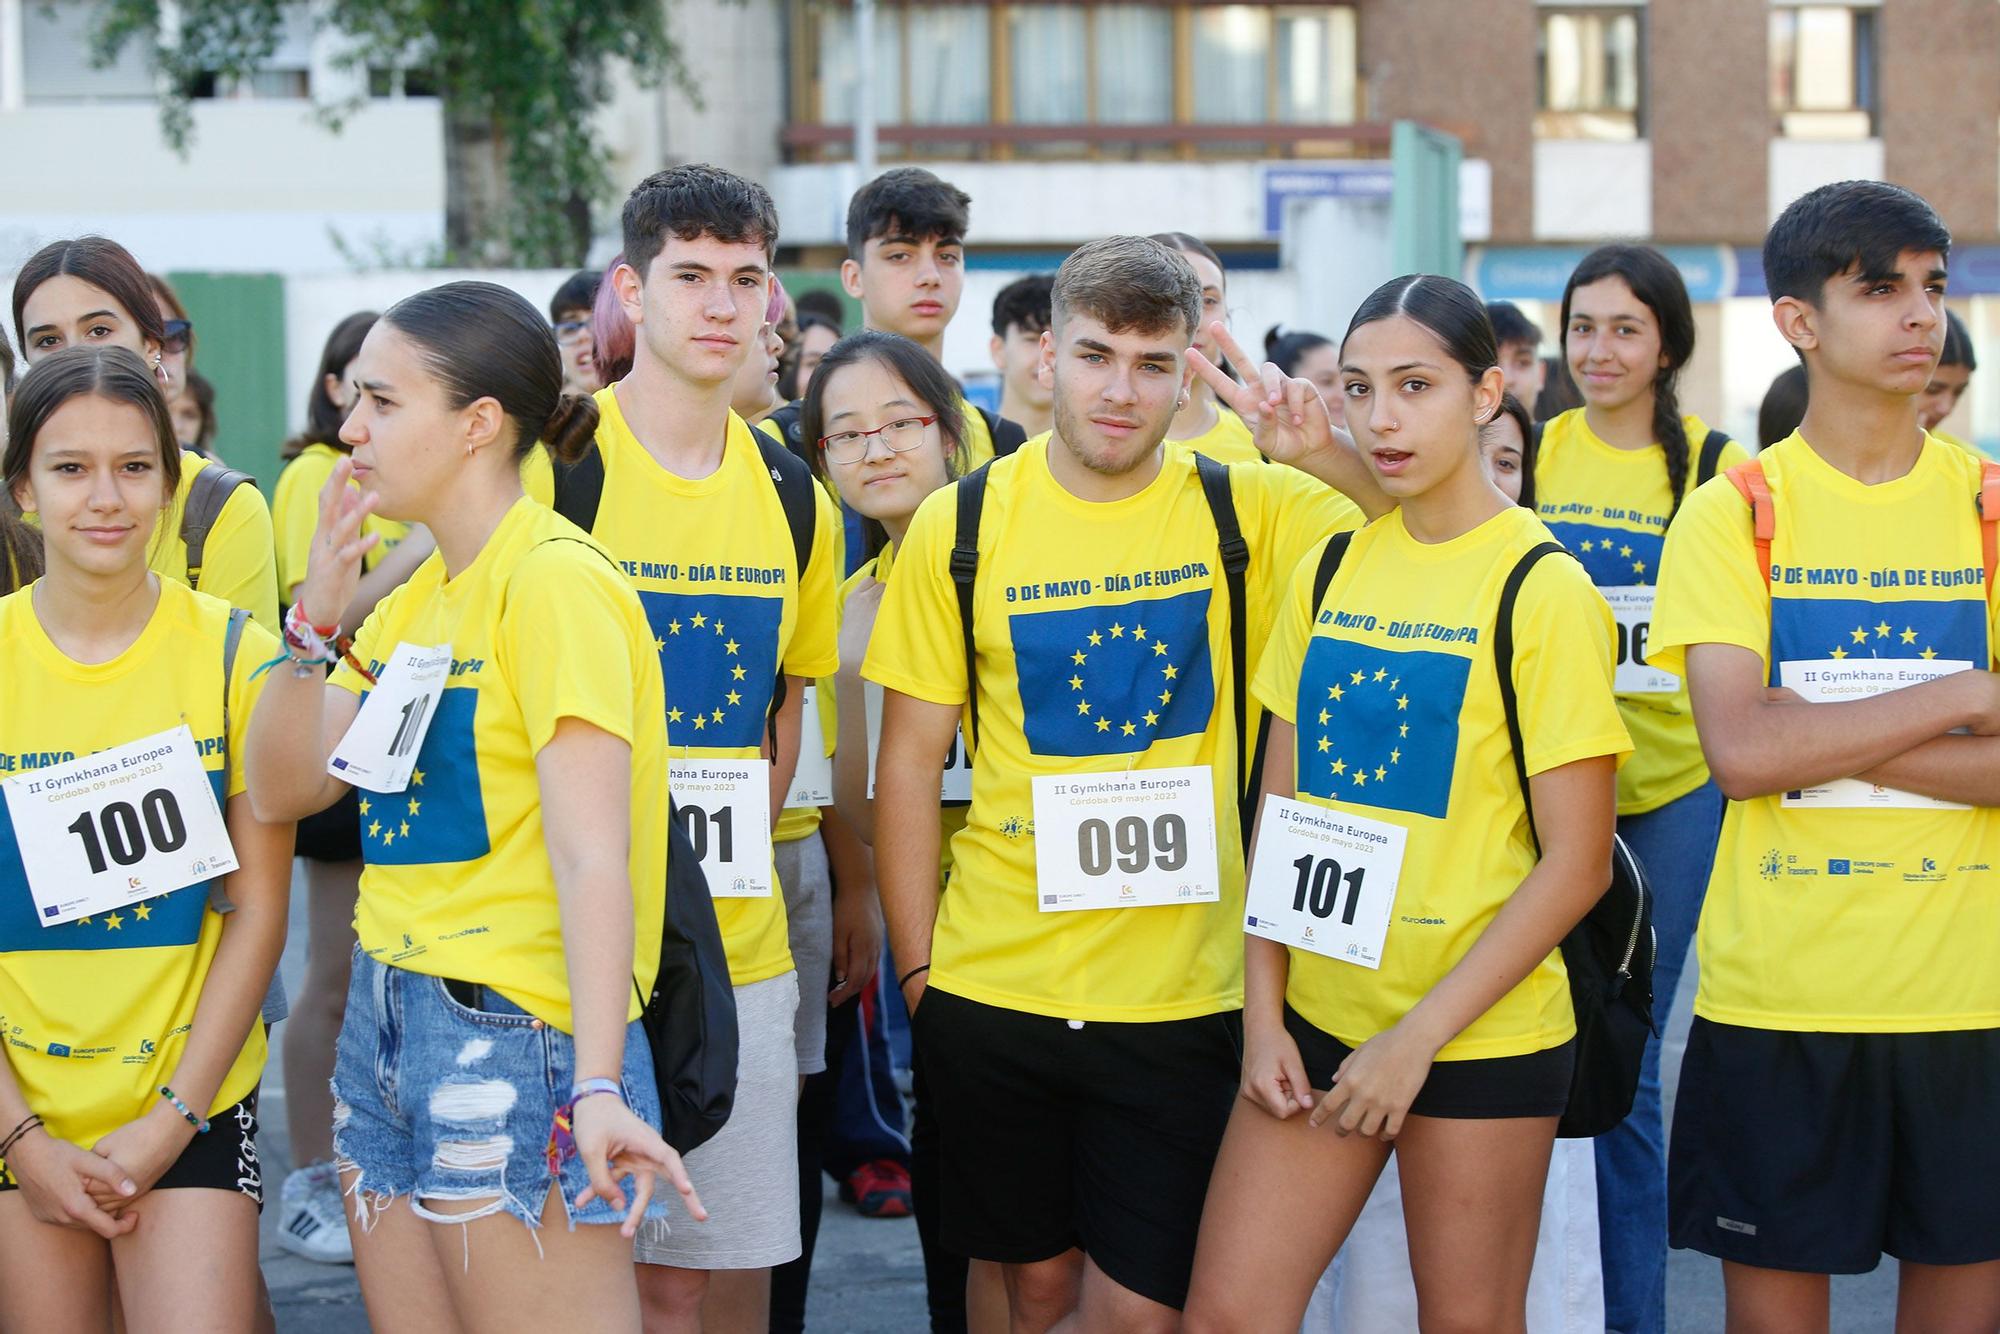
{"x": 808, "y": 885}
{"x": 748, "y": 1175}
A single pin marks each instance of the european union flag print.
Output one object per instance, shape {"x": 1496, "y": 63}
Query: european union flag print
{"x": 170, "y": 919}
{"x": 441, "y": 815}
{"x": 719, "y": 655}
{"x": 1813, "y": 629}
{"x": 1111, "y": 680}
{"x": 1378, "y": 727}
{"x": 1615, "y": 557}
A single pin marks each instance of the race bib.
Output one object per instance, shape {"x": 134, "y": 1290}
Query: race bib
{"x": 130, "y": 823}
{"x": 955, "y": 789}
{"x": 1324, "y": 880}
{"x": 725, "y": 808}
{"x": 380, "y": 748}
{"x": 1836, "y": 680}
{"x": 1632, "y": 606}
{"x": 1141, "y": 839}
{"x": 812, "y": 780}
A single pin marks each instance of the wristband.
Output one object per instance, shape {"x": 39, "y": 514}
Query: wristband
{"x": 583, "y": 1088}
{"x": 199, "y": 1123}
{"x": 920, "y": 968}
{"x": 14, "y": 1136}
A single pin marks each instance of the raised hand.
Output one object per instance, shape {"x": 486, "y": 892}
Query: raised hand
{"x": 333, "y": 570}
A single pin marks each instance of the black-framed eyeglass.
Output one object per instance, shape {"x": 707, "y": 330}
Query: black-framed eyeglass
{"x": 900, "y": 436}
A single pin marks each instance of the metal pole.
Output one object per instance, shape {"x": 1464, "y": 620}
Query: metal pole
{"x": 864, "y": 79}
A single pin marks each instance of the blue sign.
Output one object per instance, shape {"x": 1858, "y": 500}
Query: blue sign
{"x": 1329, "y": 180}
{"x": 1538, "y": 273}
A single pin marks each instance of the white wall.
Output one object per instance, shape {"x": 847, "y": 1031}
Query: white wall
{"x": 1799, "y": 165}
{"x": 1592, "y": 190}
{"x": 265, "y": 187}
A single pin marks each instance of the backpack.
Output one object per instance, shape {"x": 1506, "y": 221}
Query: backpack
{"x": 1749, "y": 480}
{"x": 207, "y": 494}
{"x": 1610, "y": 954}
{"x": 690, "y": 1015}
{"x": 1215, "y": 487}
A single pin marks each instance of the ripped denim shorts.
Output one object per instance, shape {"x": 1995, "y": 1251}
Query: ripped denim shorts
{"x": 436, "y": 1100}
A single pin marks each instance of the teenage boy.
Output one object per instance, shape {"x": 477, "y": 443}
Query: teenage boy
{"x": 1519, "y": 340}
{"x": 1083, "y": 1063}
{"x": 569, "y": 312}
{"x": 692, "y": 510}
{"x": 1831, "y": 607}
{"x": 1020, "y": 317}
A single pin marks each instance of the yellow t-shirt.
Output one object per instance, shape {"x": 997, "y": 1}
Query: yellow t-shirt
{"x": 295, "y": 516}
{"x": 238, "y": 561}
{"x": 951, "y": 815}
{"x": 712, "y": 560}
{"x": 1392, "y": 685}
{"x": 97, "y": 1011}
{"x": 1610, "y": 507}
{"x": 1840, "y": 919}
{"x": 1228, "y": 441}
{"x": 1061, "y": 577}
{"x": 457, "y": 883}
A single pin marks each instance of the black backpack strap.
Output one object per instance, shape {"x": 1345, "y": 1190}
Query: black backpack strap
{"x": 579, "y": 487}
{"x": 798, "y": 494}
{"x": 964, "y": 569}
{"x": 1007, "y": 435}
{"x": 1535, "y": 435}
{"x": 207, "y": 495}
{"x": 1235, "y": 561}
{"x": 232, "y": 639}
{"x": 784, "y": 419}
{"x": 1329, "y": 565}
{"x": 1712, "y": 446}
{"x": 1503, "y": 663}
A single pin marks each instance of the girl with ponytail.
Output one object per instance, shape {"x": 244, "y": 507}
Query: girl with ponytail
{"x": 1609, "y": 478}
{"x": 493, "y": 1088}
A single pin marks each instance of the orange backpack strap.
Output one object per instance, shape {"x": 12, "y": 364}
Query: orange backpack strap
{"x": 1989, "y": 520}
{"x": 1748, "y": 478}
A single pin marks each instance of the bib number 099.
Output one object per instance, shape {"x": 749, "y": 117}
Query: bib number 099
{"x": 1161, "y": 842}
{"x": 1318, "y": 887}
{"x": 125, "y": 831}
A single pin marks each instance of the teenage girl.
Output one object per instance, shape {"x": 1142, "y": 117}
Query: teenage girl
{"x": 128, "y": 1096}
{"x": 886, "y": 422}
{"x": 1306, "y": 356}
{"x": 90, "y": 292}
{"x": 1204, "y": 424}
{"x": 312, "y": 1222}
{"x": 493, "y": 1089}
{"x": 1609, "y": 478}
{"x": 1457, "y": 1047}
{"x": 1949, "y": 380}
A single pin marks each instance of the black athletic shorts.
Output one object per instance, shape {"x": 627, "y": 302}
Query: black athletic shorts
{"x": 1055, "y": 1134}
{"x": 1536, "y": 1084}
{"x": 223, "y": 1159}
{"x": 1820, "y": 1152}
{"x": 334, "y": 834}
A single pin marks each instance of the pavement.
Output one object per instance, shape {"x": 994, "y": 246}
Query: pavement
{"x": 868, "y": 1274}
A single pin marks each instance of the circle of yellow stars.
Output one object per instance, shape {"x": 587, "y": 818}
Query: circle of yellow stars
{"x": 1624, "y": 550}
{"x": 398, "y": 827}
{"x": 1360, "y": 774}
{"x": 1168, "y": 672}
{"x": 1883, "y": 630}
{"x": 700, "y": 621}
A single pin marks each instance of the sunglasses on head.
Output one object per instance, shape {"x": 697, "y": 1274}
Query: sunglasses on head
{"x": 179, "y": 334}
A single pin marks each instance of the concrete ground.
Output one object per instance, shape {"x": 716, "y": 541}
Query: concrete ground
{"x": 868, "y": 1276}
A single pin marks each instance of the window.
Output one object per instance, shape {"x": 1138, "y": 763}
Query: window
{"x": 1590, "y": 72}
{"x": 1077, "y": 63}
{"x": 1823, "y": 71}
{"x": 285, "y": 75}
{"x": 56, "y": 66}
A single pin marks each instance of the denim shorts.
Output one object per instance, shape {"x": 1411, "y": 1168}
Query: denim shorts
{"x": 438, "y": 1101}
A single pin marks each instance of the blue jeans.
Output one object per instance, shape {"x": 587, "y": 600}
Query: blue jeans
{"x": 1676, "y": 843}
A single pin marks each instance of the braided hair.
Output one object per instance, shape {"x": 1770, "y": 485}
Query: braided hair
{"x": 1657, "y": 283}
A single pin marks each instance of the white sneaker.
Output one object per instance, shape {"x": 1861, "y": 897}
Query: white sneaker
{"x": 314, "y": 1216}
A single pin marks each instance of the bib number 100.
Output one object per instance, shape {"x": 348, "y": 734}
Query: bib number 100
{"x": 125, "y": 831}
{"x": 1319, "y": 884}
{"x": 1138, "y": 843}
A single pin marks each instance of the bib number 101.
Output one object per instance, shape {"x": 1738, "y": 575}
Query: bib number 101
{"x": 1160, "y": 843}
{"x": 127, "y": 833}
{"x": 697, "y": 822}
{"x": 1319, "y": 884}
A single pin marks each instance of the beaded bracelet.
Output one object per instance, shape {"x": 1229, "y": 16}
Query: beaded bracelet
{"x": 199, "y": 1123}
{"x": 15, "y": 1135}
